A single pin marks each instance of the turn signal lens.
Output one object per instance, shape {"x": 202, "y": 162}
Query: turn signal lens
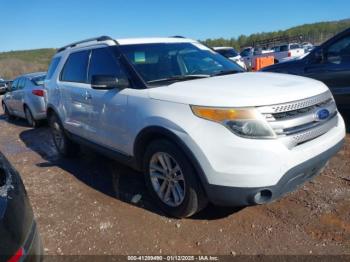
{"x": 223, "y": 114}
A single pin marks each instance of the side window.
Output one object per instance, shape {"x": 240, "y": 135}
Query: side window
{"x": 75, "y": 69}
{"x": 103, "y": 63}
{"x": 52, "y": 68}
{"x": 21, "y": 83}
{"x": 14, "y": 85}
{"x": 339, "y": 52}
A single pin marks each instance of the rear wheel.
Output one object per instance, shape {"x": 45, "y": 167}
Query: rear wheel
{"x": 65, "y": 146}
{"x": 172, "y": 181}
{"x": 29, "y": 117}
{"x": 7, "y": 112}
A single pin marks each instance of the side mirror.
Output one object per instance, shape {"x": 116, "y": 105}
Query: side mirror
{"x": 106, "y": 82}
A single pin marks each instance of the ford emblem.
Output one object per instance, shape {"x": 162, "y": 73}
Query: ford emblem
{"x": 322, "y": 114}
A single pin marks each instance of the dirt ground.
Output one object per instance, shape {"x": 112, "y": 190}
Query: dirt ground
{"x": 83, "y": 206}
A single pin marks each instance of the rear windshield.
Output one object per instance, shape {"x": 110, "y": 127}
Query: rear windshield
{"x": 227, "y": 52}
{"x": 39, "y": 80}
{"x": 294, "y": 46}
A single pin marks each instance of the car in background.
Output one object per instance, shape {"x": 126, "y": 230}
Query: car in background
{"x": 307, "y": 47}
{"x": 290, "y": 51}
{"x": 25, "y": 98}
{"x": 232, "y": 54}
{"x": 329, "y": 63}
{"x": 3, "y": 87}
{"x": 250, "y": 53}
{"x": 19, "y": 236}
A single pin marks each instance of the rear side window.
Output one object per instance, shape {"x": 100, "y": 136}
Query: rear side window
{"x": 103, "y": 63}
{"x": 52, "y": 68}
{"x": 75, "y": 69}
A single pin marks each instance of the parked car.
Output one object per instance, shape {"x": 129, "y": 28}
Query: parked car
{"x": 250, "y": 53}
{"x": 293, "y": 50}
{"x": 231, "y": 53}
{"x": 3, "y": 87}
{"x": 329, "y": 63}
{"x": 19, "y": 236}
{"x": 307, "y": 46}
{"x": 25, "y": 98}
{"x": 199, "y": 127}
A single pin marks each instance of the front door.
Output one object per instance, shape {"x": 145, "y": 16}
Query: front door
{"x": 334, "y": 70}
{"x": 108, "y": 107}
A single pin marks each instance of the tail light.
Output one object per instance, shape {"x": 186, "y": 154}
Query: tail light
{"x": 18, "y": 256}
{"x": 38, "y": 92}
{"x": 289, "y": 54}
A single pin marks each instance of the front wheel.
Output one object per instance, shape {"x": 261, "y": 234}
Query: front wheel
{"x": 172, "y": 181}
{"x": 63, "y": 144}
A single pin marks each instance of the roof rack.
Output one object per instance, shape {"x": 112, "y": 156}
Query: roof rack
{"x": 97, "y": 39}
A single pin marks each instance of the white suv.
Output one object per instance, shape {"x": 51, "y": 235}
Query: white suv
{"x": 197, "y": 126}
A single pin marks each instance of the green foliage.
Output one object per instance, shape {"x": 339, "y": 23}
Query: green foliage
{"x": 315, "y": 33}
{"x": 15, "y": 63}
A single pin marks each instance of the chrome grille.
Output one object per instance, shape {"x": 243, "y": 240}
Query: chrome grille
{"x": 295, "y": 122}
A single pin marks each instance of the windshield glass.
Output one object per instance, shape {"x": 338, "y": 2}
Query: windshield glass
{"x": 176, "y": 60}
{"x": 39, "y": 80}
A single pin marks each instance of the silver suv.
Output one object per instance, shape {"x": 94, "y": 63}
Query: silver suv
{"x": 199, "y": 127}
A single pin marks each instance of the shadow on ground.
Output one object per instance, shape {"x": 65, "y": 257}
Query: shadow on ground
{"x": 103, "y": 174}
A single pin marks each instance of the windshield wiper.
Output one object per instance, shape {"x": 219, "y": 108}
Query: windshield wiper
{"x": 226, "y": 72}
{"x": 178, "y": 78}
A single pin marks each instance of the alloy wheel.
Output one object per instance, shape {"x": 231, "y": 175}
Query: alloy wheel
{"x": 167, "y": 179}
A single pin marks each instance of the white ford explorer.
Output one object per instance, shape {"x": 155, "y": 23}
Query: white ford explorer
{"x": 199, "y": 128}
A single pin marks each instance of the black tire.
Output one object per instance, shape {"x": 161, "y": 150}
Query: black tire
{"x": 194, "y": 198}
{"x": 65, "y": 147}
{"x": 29, "y": 117}
{"x": 7, "y": 112}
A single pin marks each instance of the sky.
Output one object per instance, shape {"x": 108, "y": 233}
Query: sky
{"x": 30, "y": 24}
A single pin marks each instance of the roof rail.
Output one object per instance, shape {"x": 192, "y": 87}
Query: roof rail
{"x": 97, "y": 39}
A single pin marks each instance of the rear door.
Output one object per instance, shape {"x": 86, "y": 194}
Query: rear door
{"x": 75, "y": 93}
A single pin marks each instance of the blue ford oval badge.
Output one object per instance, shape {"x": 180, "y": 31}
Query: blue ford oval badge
{"x": 322, "y": 114}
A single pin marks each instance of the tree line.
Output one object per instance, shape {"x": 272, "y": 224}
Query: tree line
{"x": 315, "y": 33}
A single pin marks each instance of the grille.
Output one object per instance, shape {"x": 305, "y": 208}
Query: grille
{"x": 296, "y": 122}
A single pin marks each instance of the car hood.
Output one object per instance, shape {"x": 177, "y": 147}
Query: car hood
{"x": 240, "y": 90}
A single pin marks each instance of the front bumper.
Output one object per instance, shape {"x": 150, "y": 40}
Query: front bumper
{"x": 295, "y": 177}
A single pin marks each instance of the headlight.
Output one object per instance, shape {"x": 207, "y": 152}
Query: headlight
{"x": 245, "y": 122}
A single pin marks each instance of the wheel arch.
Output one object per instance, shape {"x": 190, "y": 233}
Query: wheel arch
{"x": 152, "y": 133}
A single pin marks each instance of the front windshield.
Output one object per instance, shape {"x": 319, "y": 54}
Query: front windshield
{"x": 164, "y": 61}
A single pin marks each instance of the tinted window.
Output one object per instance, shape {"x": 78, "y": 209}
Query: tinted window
{"x": 339, "y": 52}
{"x": 294, "y": 46}
{"x": 227, "y": 52}
{"x": 14, "y": 85}
{"x": 75, "y": 69}
{"x": 283, "y": 48}
{"x": 52, "y": 68}
{"x": 21, "y": 83}
{"x": 103, "y": 63}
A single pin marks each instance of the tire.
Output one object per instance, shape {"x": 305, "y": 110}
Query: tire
{"x": 65, "y": 146}
{"x": 7, "y": 112}
{"x": 29, "y": 117}
{"x": 163, "y": 184}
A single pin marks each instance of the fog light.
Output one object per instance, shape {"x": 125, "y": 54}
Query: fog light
{"x": 263, "y": 196}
